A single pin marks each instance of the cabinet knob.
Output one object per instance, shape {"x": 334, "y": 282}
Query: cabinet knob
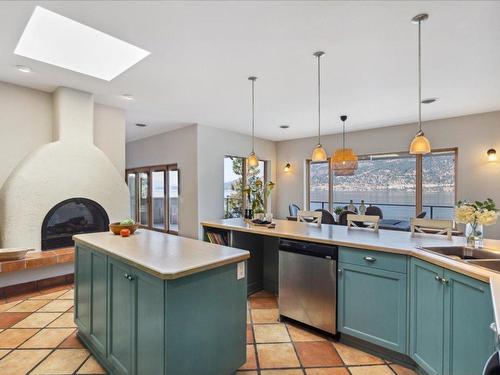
{"x": 444, "y": 281}
{"x": 128, "y": 277}
{"x": 370, "y": 259}
{"x": 437, "y": 278}
{"x": 340, "y": 271}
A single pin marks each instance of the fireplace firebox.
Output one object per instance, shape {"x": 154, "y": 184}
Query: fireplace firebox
{"x": 69, "y": 217}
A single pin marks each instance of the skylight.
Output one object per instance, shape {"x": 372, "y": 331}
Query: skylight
{"x": 60, "y": 41}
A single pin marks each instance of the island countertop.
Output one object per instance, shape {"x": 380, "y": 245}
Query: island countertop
{"x": 163, "y": 255}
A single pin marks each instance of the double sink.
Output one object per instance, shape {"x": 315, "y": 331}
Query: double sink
{"x": 485, "y": 258}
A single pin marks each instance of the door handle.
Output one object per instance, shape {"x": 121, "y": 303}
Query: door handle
{"x": 370, "y": 259}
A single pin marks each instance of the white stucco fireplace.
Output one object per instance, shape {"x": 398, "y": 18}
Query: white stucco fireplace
{"x": 69, "y": 167}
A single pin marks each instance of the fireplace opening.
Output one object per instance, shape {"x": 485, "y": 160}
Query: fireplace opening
{"x": 69, "y": 217}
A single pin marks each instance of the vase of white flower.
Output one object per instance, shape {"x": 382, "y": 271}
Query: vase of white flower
{"x": 474, "y": 234}
{"x": 475, "y": 215}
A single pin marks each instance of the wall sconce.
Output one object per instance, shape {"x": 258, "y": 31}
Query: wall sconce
{"x": 492, "y": 154}
{"x": 287, "y": 168}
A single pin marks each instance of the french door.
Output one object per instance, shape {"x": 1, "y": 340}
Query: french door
{"x": 154, "y": 197}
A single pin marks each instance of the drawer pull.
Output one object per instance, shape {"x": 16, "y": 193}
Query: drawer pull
{"x": 370, "y": 259}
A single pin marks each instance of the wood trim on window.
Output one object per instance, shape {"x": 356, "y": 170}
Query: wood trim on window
{"x": 418, "y": 177}
{"x": 148, "y": 170}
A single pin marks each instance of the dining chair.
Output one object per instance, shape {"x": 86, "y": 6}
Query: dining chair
{"x": 343, "y": 217}
{"x": 293, "y": 209}
{"x": 309, "y": 217}
{"x": 374, "y": 210}
{"x": 431, "y": 226}
{"x": 364, "y": 221}
{"x": 327, "y": 217}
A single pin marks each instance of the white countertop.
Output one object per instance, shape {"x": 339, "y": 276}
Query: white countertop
{"x": 163, "y": 255}
{"x": 384, "y": 240}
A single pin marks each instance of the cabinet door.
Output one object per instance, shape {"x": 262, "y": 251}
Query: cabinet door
{"x": 372, "y": 305}
{"x": 121, "y": 317}
{"x": 83, "y": 288}
{"x": 426, "y": 316}
{"x": 150, "y": 319}
{"x": 468, "y": 340}
{"x": 99, "y": 301}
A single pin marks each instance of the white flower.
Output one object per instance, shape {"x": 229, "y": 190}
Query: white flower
{"x": 486, "y": 217}
{"x": 465, "y": 214}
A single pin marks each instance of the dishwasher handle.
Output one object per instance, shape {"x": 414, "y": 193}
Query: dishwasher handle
{"x": 309, "y": 248}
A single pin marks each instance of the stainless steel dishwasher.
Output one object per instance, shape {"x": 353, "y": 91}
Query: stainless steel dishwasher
{"x": 308, "y": 283}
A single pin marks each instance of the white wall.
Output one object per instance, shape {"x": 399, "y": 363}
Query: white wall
{"x": 109, "y": 134}
{"x": 180, "y": 147}
{"x": 213, "y": 145}
{"x": 199, "y": 152}
{"x": 26, "y": 124}
{"x": 473, "y": 135}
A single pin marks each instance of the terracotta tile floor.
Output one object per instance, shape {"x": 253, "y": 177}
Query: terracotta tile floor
{"x": 38, "y": 336}
{"x": 275, "y": 348}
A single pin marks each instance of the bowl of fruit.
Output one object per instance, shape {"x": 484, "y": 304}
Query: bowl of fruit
{"x": 128, "y": 224}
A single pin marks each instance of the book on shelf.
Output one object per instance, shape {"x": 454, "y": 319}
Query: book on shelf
{"x": 216, "y": 238}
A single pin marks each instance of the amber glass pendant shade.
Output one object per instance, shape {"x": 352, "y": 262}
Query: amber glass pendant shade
{"x": 319, "y": 154}
{"x": 252, "y": 160}
{"x": 420, "y": 145}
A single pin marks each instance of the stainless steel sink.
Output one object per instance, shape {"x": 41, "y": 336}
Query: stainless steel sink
{"x": 463, "y": 252}
{"x": 493, "y": 265}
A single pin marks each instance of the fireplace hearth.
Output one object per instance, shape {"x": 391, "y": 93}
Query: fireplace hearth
{"x": 69, "y": 217}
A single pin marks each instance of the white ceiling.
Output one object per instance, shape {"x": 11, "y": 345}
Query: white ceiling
{"x": 203, "y": 52}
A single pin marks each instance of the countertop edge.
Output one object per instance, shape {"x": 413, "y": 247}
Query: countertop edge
{"x": 171, "y": 275}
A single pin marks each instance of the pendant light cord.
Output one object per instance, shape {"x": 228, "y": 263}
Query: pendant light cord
{"x": 319, "y": 100}
{"x": 419, "y": 78}
{"x": 343, "y": 135}
{"x": 252, "y": 79}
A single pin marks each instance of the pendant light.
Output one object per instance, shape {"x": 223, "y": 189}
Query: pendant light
{"x": 420, "y": 144}
{"x": 319, "y": 153}
{"x": 252, "y": 160}
{"x": 344, "y": 160}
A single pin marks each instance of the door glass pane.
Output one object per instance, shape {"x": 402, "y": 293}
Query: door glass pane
{"x": 438, "y": 184}
{"x": 318, "y": 185}
{"x": 158, "y": 191}
{"x": 233, "y": 187}
{"x": 173, "y": 200}
{"x": 143, "y": 198}
{"x": 386, "y": 181}
{"x": 132, "y": 197}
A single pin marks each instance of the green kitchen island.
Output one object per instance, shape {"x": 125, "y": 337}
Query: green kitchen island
{"x": 157, "y": 304}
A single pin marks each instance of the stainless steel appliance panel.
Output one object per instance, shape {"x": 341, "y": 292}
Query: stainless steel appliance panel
{"x": 308, "y": 289}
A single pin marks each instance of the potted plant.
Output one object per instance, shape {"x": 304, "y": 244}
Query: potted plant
{"x": 257, "y": 193}
{"x": 475, "y": 215}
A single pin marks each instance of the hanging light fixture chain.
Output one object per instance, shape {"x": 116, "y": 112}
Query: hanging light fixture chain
{"x": 319, "y": 99}
{"x": 419, "y": 77}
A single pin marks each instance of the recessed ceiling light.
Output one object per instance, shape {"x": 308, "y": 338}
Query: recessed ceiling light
{"x": 60, "y": 41}
{"x": 23, "y": 68}
{"x": 284, "y": 126}
{"x": 141, "y": 125}
{"x": 127, "y": 97}
{"x": 429, "y": 100}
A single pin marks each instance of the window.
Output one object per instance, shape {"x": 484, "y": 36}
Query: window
{"x": 154, "y": 197}
{"x": 235, "y": 172}
{"x": 319, "y": 185}
{"x": 438, "y": 183}
{"x": 400, "y": 184}
{"x": 387, "y": 181}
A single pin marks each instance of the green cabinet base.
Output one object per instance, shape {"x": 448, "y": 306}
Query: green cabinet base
{"x": 137, "y": 324}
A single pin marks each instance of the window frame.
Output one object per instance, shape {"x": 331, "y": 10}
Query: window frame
{"x": 244, "y": 177}
{"x": 148, "y": 170}
{"x": 418, "y": 177}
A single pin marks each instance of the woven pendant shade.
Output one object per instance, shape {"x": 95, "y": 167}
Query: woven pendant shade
{"x": 344, "y": 162}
